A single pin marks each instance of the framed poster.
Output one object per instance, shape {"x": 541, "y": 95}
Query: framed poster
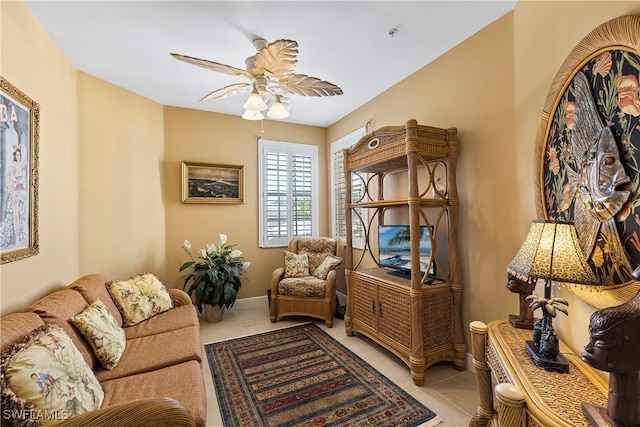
{"x": 19, "y": 124}
{"x": 206, "y": 183}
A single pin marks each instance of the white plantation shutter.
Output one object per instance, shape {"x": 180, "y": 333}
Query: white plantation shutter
{"x": 338, "y": 195}
{"x": 288, "y": 192}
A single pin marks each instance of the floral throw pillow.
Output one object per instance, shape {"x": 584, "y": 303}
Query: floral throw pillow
{"x": 139, "y": 298}
{"x": 103, "y": 333}
{"x": 295, "y": 265}
{"x": 329, "y": 263}
{"x": 45, "y": 379}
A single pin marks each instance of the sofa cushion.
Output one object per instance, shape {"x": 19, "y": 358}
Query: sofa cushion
{"x": 92, "y": 287}
{"x": 183, "y": 382}
{"x": 171, "y": 320}
{"x": 308, "y": 286}
{"x": 329, "y": 263}
{"x": 139, "y": 298}
{"x": 46, "y": 374}
{"x": 14, "y": 327}
{"x": 295, "y": 265}
{"x": 156, "y": 352}
{"x": 59, "y": 307}
{"x": 103, "y": 333}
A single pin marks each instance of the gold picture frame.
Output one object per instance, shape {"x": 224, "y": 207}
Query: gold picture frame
{"x": 210, "y": 183}
{"x": 19, "y": 135}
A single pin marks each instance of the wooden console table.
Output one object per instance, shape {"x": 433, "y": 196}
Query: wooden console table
{"x": 526, "y": 394}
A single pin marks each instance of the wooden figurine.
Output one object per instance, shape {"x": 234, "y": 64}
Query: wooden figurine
{"x": 614, "y": 347}
{"x": 525, "y": 319}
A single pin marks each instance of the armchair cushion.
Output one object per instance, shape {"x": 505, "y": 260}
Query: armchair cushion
{"x": 307, "y": 286}
{"x": 295, "y": 265}
{"x": 317, "y": 248}
{"x": 329, "y": 263}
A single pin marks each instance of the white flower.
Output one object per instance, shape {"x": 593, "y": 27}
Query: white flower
{"x": 187, "y": 245}
{"x": 223, "y": 239}
{"x": 211, "y": 248}
{"x": 246, "y": 265}
{"x": 203, "y": 253}
{"x": 236, "y": 253}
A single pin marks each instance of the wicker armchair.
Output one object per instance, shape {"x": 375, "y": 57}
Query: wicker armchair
{"x": 302, "y": 290}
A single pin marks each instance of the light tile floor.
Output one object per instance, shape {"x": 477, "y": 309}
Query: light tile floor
{"x": 449, "y": 393}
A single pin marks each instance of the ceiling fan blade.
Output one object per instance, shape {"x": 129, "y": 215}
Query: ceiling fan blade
{"x": 301, "y": 84}
{"x": 278, "y": 58}
{"x": 227, "y": 91}
{"x": 213, "y": 66}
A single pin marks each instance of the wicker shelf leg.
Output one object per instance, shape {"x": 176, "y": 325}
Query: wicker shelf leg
{"x": 483, "y": 375}
{"x": 510, "y": 406}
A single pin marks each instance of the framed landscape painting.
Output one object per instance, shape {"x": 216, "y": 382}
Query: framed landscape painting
{"x": 207, "y": 183}
{"x": 19, "y": 124}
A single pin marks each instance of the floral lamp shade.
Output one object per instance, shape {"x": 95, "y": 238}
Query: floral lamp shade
{"x": 551, "y": 251}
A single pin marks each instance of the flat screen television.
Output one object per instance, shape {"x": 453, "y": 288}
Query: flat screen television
{"x": 394, "y": 248}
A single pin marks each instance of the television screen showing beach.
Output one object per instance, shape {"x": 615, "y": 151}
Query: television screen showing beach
{"x": 394, "y": 247}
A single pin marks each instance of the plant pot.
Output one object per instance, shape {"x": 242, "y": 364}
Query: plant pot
{"x": 213, "y": 313}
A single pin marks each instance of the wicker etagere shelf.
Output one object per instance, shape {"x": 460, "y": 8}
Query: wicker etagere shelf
{"x": 417, "y": 318}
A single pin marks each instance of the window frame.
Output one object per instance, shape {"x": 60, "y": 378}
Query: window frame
{"x": 290, "y": 148}
{"x": 345, "y": 142}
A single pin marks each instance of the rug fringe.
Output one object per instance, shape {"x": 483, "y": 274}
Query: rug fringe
{"x": 432, "y": 422}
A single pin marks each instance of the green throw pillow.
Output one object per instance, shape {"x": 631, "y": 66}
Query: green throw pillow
{"x": 295, "y": 265}
{"x": 139, "y": 298}
{"x": 329, "y": 263}
{"x": 103, "y": 333}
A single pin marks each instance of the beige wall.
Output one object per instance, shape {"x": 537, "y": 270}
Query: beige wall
{"x": 121, "y": 219}
{"x": 197, "y": 136}
{"x": 32, "y": 63}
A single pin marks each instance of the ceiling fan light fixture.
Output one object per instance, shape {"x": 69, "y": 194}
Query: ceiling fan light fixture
{"x": 255, "y": 102}
{"x": 278, "y": 110}
{"x": 252, "y": 115}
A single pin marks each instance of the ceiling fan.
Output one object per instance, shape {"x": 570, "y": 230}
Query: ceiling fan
{"x": 271, "y": 76}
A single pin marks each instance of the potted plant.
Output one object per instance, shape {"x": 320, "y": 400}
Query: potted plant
{"x": 214, "y": 280}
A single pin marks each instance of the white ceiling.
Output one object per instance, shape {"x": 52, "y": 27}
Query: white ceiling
{"x": 127, "y": 43}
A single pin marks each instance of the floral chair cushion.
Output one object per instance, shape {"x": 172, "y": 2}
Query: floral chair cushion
{"x": 106, "y": 337}
{"x": 139, "y": 298}
{"x": 329, "y": 263}
{"x": 45, "y": 379}
{"x": 295, "y": 265}
{"x": 308, "y": 286}
{"x": 317, "y": 249}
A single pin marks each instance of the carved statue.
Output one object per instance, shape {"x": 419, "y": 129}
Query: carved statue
{"x": 614, "y": 346}
{"x": 525, "y": 319}
{"x": 597, "y": 181}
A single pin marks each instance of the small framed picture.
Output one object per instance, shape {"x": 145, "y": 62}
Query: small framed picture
{"x": 19, "y": 132}
{"x": 207, "y": 183}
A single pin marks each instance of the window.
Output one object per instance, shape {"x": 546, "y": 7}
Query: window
{"x": 339, "y": 227}
{"x": 288, "y": 192}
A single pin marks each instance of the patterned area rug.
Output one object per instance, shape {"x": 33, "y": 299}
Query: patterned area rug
{"x": 300, "y": 376}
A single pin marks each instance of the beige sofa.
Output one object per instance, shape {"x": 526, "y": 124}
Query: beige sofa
{"x": 158, "y": 380}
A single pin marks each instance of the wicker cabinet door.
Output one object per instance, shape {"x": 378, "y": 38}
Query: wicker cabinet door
{"x": 365, "y": 307}
{"x": 394, "y": 319}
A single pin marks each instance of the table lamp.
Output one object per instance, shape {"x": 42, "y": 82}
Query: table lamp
{"x": 551, "y": 253}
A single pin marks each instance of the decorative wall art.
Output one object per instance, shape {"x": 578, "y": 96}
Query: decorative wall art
{"x": 588, "y": 155}
{"x": 206, "y": 183}
{"x": 19, "y": 124}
